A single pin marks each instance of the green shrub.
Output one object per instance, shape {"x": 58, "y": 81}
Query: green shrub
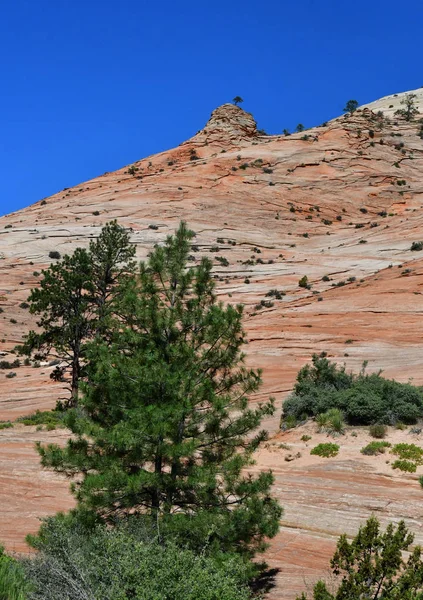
{"x": 331, "y": 421}
{"x": 363, "y": 399}
{"x": 47, "y": 417}
{"x": 5, "y": 424}
{"x": 303, "y": 282}
{"x": 327, "y": 450}
{"x": 13, "y": 584}
{"x": 375, "y": 448}
{"x": 405, "y": 465}
{"x": 275, "y": 294}
{"x": 416, "y": 246}
{"x": 378, "y": 430}
{"x": 223, "y": 261}
{"x": 289, "y": 422}
{"x": 305, "y": 438}
{"x": 129, "y": 561}
{"x": 409, "y": 452}
{"x": 54, "y": 254}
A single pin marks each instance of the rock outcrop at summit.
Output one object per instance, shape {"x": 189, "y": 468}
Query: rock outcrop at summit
{"x": 228, "y": 125}
{"x": 341, "y": 204}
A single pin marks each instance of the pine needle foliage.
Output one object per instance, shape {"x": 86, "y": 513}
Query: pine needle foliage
{"x": 373, "y": 566}
{"x": 77, "y": 299}
{"x": 164, "y": 426}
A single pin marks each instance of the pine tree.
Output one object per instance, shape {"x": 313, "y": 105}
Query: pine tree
{"x": 77, "y": 298}
{"x": 237, "y": 100}
{"x": 166, "y": 427}
{"x": 410, "y": 110}
{"x": 63, "y": 303}
{"x": 113, "y": 265}
{"x": 351, "y": 106}
{"x": 372, "y": 566}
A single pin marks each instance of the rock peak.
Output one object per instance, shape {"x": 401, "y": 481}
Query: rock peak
{"x": 228, "y": 125}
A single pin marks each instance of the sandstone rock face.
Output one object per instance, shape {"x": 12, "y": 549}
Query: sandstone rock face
{"x": 340, "y": 204}
{"x": 228, "y": 125}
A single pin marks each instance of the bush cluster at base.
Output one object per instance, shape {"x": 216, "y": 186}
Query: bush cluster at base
{"x": 130, "y": 560}
{"x": 363, "y": 399}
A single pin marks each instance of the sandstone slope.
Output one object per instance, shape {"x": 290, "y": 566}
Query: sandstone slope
{"x": 343, "y": 202}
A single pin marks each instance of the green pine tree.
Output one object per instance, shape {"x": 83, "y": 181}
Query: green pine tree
{"x": 351, "y": 106}
{"x": 166, "y": 427}
{"x": 373, "y": 566}
{"x": 113, "y": 266}
{"x": 77, "y": 299}
{"x": 63, "y": 303}
{"x": 410, "y": 110}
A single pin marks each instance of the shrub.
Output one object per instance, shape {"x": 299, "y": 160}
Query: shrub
{"x": 288, "y": 422}
{"x": 275, "y": 294}
{"x": 303, "y": 282}
{"x": 5, "y": 425}
{"x": 364, "y": 399}
{"x": 13, "y": 584}
{"x": 378, "y": 430}
{"x": 416, "y": 246}
{"x": 327, "y": 450}
{"x": 11, "y": 374}
{"x": 305, "y": 438}
{"x": 331, "y": 421}
{"x": 129, "y": 561}
{"x": 24, "y": 305}
{"x": 223, "y": 261}
{"x": 405, "y": 465}
{"x": 46, "y": 417}
{"x": 409, "y": 452}
{"x": 54, "y": 254}
{"x": 375, "y": 448}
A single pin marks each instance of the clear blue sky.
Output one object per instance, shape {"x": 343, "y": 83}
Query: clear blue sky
{"x": 91, "y": 85}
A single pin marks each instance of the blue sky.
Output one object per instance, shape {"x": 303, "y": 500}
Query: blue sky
{"x": 89, "y": 86}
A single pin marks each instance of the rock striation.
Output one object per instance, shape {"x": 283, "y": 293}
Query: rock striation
{"x": 340, "y": 204}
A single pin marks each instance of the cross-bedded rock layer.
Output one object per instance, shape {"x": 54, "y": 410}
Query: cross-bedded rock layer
{"x": 341, "y": 204}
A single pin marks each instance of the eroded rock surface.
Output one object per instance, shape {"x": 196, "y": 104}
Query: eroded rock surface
{"x": 340, "y": 204}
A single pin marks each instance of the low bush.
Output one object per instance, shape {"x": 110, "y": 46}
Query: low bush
{"x": 327, "y": 450}
{"x": 405, "y": 465}
{"x": 375, "y": 448}
{"x": 416, "y": 246}
{"x": 5, "y": 424}
{"x": 363, "y": 399}
{"x": 275, "y": 294}
{"x": 331, "y": 421}
{"x": 378, "y": 430}
{"x": 409, "y": 452}
{"x": 5, "y": 364}
{"x": 54, "y": 254}
{"x": 289, "y": 422}
{"x": 47, "y": 417}
{"x": 130, "y": 560}
{"x": 13, "y": 583}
